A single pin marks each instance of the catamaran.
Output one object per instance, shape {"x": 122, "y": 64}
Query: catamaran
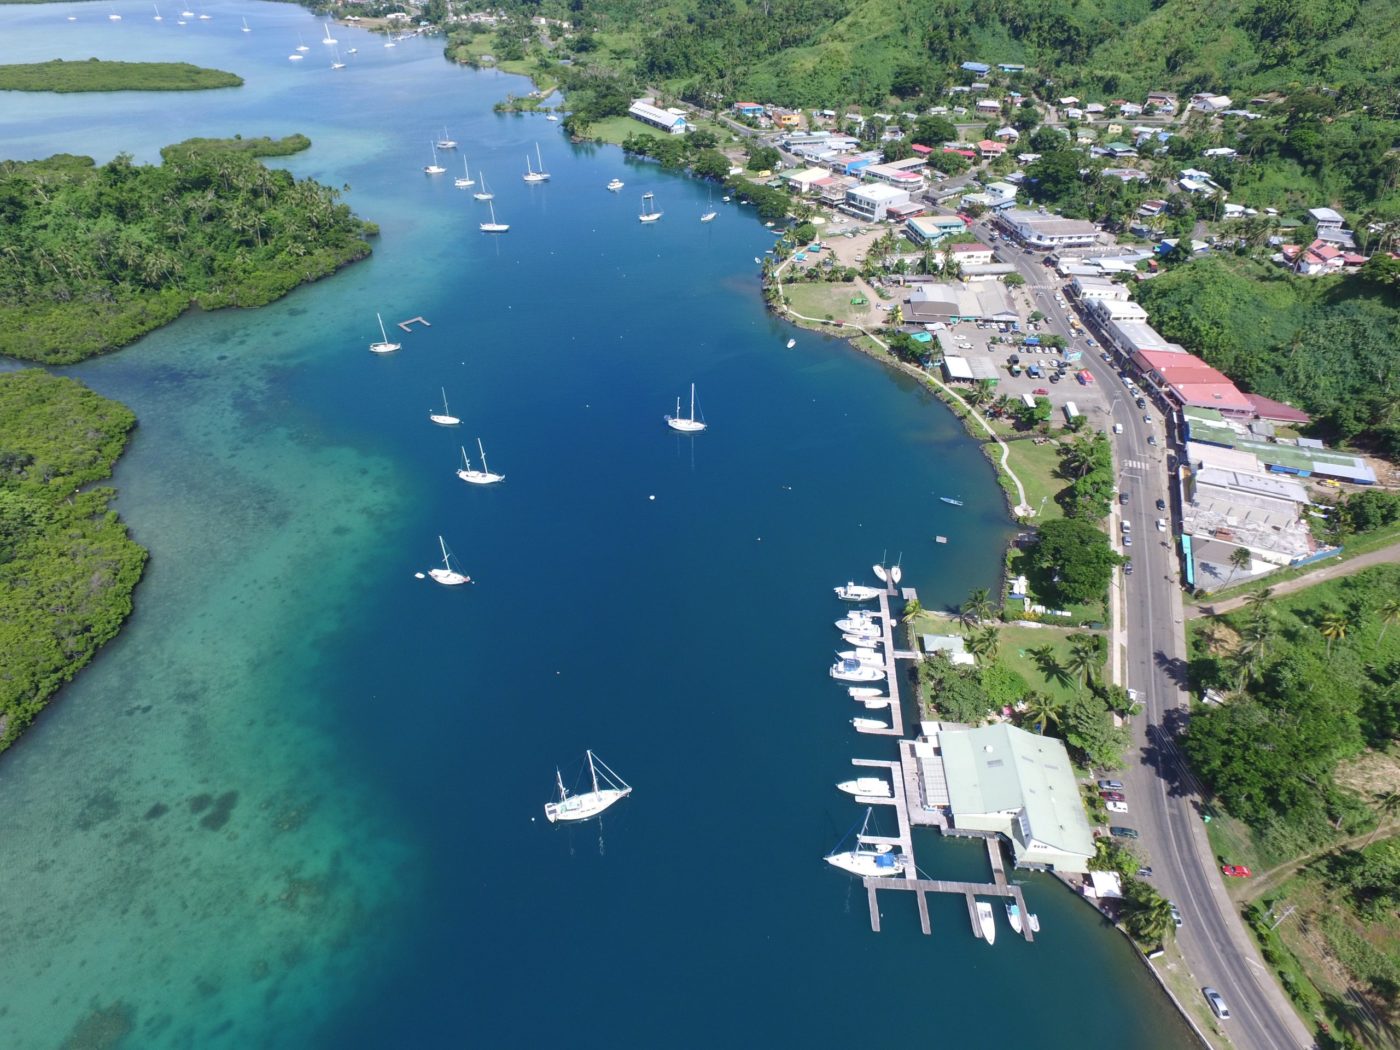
{"x": 446, "y": 418}
{"x": 865, "y": 786}
{"x": 383, "y": 346}
{"x": 434, "y": 168}
{"x": 493, "y": 226}
{"x": 680, "y": 422}
{"x": 531, "y": 175}
{"x": 447, "y": 575}
{"x": 649, "y": 212}
{"x": 447, "y": 141}
{"x": 855, "y": 592}
{"x": 866, "y": 859}
{"x": 589, "y": 803}
{"x": 478, "y": 477}
{"x": 616, "y": 184}
{"x": 986, "y": 923}
{"x": 466, "y": 182}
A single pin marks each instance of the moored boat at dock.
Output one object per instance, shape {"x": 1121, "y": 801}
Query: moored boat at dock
{"x": 855, "y": 592}
{"x": 873, "y": 786}
{"x": 855, "y": 671}
{"x": 986, "y": 922}
{"x": 869, "y": 725}
{"x": 1013, "y": 915}
{"x": 864, "y": 859}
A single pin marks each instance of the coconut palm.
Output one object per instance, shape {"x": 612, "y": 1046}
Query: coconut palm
{"x": 1042, "y": 710}
{"x": 1239, "y": 561}
{"x": 977, "y": 608}
{"x": 1148, "y": 916}
{"x": 983, "y": 644}
{"x": 1252, "y": 648}
{"x": 1387, "y": 805}
{"x": 1389, "y": 613}
{"x": 1334, "y": 627}
{"x": 912, "y": 608}
{"x": 1258, "y": 602}
{"x": 1083, "y": 656}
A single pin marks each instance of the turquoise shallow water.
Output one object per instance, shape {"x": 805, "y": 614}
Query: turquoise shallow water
{"x": 297, "y": 802}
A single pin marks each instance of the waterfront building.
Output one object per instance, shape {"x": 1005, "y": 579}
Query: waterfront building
{"x": 668, "y": 120}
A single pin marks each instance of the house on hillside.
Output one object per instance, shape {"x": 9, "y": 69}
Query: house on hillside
{"x": 1165, "y": 101}
{"x": 988, "y": 106}
{"x": 1207, "y": 103}
{"x": 1011, "y": 67}
{"x": 748, "y": 109}
{"x": 980, "y": 68}
{"x": 991, "y": 148}
{"x": 1218, "y": 151}
{"x": 1006, "y": 133}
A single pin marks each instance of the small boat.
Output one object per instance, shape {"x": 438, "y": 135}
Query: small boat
{"x": 863, "y": 693}
{"x": 940, "y": 539}
{"x": 680, "y": 422}
{"x": 875, "y": 703}
{"x": 301, "y": 44}
{"x": 865, "y": 786}
{"x": 158, "y": 17}
{"x": 295, "y": 57}
{"x": 791, "y": 343}
{"x": 868, "y": 725}
{"x": 855, "y": 592}
{"x": 447, "y": 576}
{"x": 880, "y": 574}
{"x": 649, "y": 212}
{"x": 446, "y": 418}
{"x": 72, "y": 18}
{"x": 353, "y": 51}
{"x": 327, "y": 39}
{"x": 337, "y": 64}
{"x": 1013, "y": 915}
{"x": 246, "y": 28}
{"x": 186, "y": 14}
{"x": 862, "y": 641}
{"x": 493, "y": 226}
{"x": 757, "y": 261}
{"x": 179, "y": 21}
{"x": 855, "y": 671}
{"x": 986, "y": 923}
{"x": 551, "y": 117}
{"x": 531, "y": 175}
{"x": 951, "y": 501}
{"x": 478, "y": 477}
{"x": 391, "y": 42}
{"x": 383, "y": 346}
{"x": 769, "y": 225}
{"x": 709, "y": 213}
{"x": 114, "y": 17}
{"x": 204, "y": 18}
{"x": 858, "y": 620}
{"x": 612, "y": 789}
{"x": 616, "y": 184}
{"x": 483, "y": 194}
{"x": 446, "y": 142}
{"x": 865, "y": 859}
{"x": 867, "y": 657}
{"x": 434, "y": 168}
{"x": 725, "y": 199}
{"x": 466, "y": 181}
{"x": 1034, "y": 921}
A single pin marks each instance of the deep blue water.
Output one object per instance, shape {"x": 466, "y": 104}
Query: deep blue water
{"x": 382, "y": 747}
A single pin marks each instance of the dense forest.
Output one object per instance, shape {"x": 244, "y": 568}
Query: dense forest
{"x": 96, "y": 256}
{"x": 67, "y": 566}
{"x": 99, "y": 75}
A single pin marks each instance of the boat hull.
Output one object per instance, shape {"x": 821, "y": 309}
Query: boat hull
{"x": 859, "y": 673}
{"x": 584, "y": 807}
{"x": 448, "y": 578}
{"x": 867, "y": 865}
{"x": 986, "y": 922}
{"x": 685, "y": 426}
{"x": 480, "y": 477}
{"x": 445, "y": 421}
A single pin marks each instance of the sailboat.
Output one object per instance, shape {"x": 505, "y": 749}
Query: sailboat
{"x": 186, "y": 14}
{"x": 866, "y": 859}
{"x": 446, "y": 419}
{"x": 328, "y": 39}
{"x": 434, "y": 168}
{"x": 301, "y": 44}
{"x": 680, "y": 422}
{"x": 447, "y": 576}
{"x": 478, "y": 477}
{"x": 293, "y": 57}
{"x": 615, "y": 185}
{"x": 590, "y": 803}
{"x": 245, "y": 26}
{"x": 493, "y": 226}
{"x": 158, "y": 17}
{"x": 466, "y": 181}
{"x": 649, "y": 214}
{"x": 710, "y": 213}
{"x": 897, "y": 572}
{"x": 383, "y": 346}
{"x": 986, "y": 923}
{"x": 337, "y": 64}
{"x": 114, "y": 17}
{"x": 531, "y": 174}
{"x": 880, "y": 573}
{"x": 203, "y": 17}
{"x": 446, "y": 142}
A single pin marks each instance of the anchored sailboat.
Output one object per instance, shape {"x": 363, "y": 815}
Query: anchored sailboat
{"x": 532, "y": 174}
{"x": 466, "y": 182}
{"x": 383, "y": 346}
{"x": 478, "y": 477}
{"x": 680, "y": 422}
{"x": 434, "y": 168}
{"x": 446, "y": 419}
{"x": 447, "y": 575}
{"x": 447, "y": 141}
{"x": 709, "y": 213}
{"x": 608, "y": 788}
{"x": 483, "y": 194}
{"x": 493, "y": 226}
{"x": 328, "y": 39}
{"x": 649, "y": 212}
{"x": 866, "y": 859}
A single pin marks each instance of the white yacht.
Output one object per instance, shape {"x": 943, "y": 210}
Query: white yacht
{"x": 531, "y": 174}
{"x": 986, "y": 921}
{"x": 383, "y": 346}
{"x": 466, "y": 181}
{"x": 649, "y": 212}
{"x": 680, "y": 422}
{"x": 855, "y": 592}
{"x": 855, "y": 671}
{"x": 434, "y": 168}
{"x": 294, "y": 57}
{"x": 866, "y": 656}
{"x": 608, "y": 788}
{"x": 1013, "y": 915}
{"x": 868, "y": 725}
{"x": 858, "y": 621}
{"x": 445, "y": 418}
{"x": 873, "y": 702}
{"x": 447, "y": 575}
{"x": 865, "y": 786}
{"x": 791, "y": 343}
{"x": 447, "y": 141}
{"x": 616, "y": 184}
{"x": 327, "y": 39}
{"x": 865, "y": 859}
{"x": 478, "y": 477}
{"x": 862, "y": 641}
{"x": 493, "y": 226}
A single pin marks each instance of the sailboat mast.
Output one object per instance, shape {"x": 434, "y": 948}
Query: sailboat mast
{"x": 382, "y": 334}
{"x": 559, "y": 779}
{"x": 692, "y": 402}
{"x": 445, "y": 563}
{"x": 538, "y": 157}
{"x": 482, "y": 449}
{"x": 445, "y": 412}
{"x": 594, "y": 770}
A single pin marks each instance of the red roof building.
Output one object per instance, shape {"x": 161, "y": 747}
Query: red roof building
{"x": 991, "y": 148}
{"x": 1267, "y": 408}
{"x": 921, "y": 150}
{"x": 1192, "y": 383}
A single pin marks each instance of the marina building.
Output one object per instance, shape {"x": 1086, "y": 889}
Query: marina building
{"x": 945, "y": 301}
{"x": 669, "y": 121}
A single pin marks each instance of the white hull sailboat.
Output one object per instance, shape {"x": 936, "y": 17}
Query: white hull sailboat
{"x": 866, "y": 860}
{"x": 478, "y": 477}
{"x": 986, "y": 922}
{"x": 880, "y": 573}
{"x": 484, "y": 194}
{"x": 446, "y": 418}
{"x": 447, "y": 575}
{"x": 533, "y": 175}
{"x": 301, "y": 44}
{"x": 447, "y": 141}
{"x": 680, "y": 422}
{"x": 616, "y": 184}
{"x": 466, "y": 182}
{"x": 158, "y": 17}
{"x": 855, "y": 671}
{"x": 383, "y": 346}
{"x": 327, "y": 39}
{"x": 612, "y": 789}
{"x": 246, "y": 27}
{"x": 854, "y": 592}
{"x": 434, "y": 168}
{"x": 709, "y": 213}
{"x": 295, "y": 57}
{"x": 338, "y": 63}
{"x": 649, "y": 212}
{"x": 493, "y": 226}
{"x": 872, "y": 786}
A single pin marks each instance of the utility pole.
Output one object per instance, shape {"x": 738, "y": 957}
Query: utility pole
{"x": 1287, "y": 912}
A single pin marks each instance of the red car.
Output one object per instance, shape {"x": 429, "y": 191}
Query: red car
{"x": 1236, "y": 871}
{"x": 1041, "y": 391}
{"x": 1113, "y": 796}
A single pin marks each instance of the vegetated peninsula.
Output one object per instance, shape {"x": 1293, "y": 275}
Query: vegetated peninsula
{"x": 67, "y": 565}
{"x": 97, "y": 256}
{"x": 101, "y": 75}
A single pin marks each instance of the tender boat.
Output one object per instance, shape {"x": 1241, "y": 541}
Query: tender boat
{"x": 612, "y": 789}
{"x": 864, "y": 859}
{"x": 1013, "y": 915}
{"x": 855, "y": 592}
{"x": 865, "y": 786}
{"x": 616, "y": 184}
{"x": 951, "y": 500}
{"x": 868, "y": 725}
{"x": 478, "y": 477}
{"x": 680, "y": 422}
{"x": 1034, "y": 921}
{"x": 986, "y": 922}
{"x": 447, "y": 575}
{"x": 791, "y": 343}
{"x": 444, "y": 418}
{"x": 383, "y": 346}
{"x": 862, "y": 641}
{"x": 855, "y": 671}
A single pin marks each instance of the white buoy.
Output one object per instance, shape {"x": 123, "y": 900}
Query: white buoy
{"x": 651, "y": 497}
{"x": 419, "y": 576}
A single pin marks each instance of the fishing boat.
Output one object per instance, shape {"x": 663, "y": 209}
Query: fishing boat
{"x": 791, "y": 343}
{"x": 649, "y": 212}
{"x": 950, "y": 500}
{"x": 447, "y": 575}
{"x": 447, "y": 141}
{"x": 493, "y": 226}
{"x": 680, "y": 422}
{"x": 533, "y": 175}
{"x": 616, "y": 184}
{"x": 866, "y": 859}
{"x": 327, "y": 39}
{"x": 865, "y": 786}
{"x": 855, "y": 592}
{"x": 986, "y": 922}
{"x": 862, "y": 641}
{"x": 466, "y": 181}
{"x": 869, "y": 725}
{"x": 855, "y": 671}
{"x": 434, "y": 168}
{"x": 880, "y": 574}
{"x": 862, "y": 656}
{"x": 445, "y": 418}
{"x": 859, "y": 692}
{"x": 608, "y": 788}
{"x": 857, "y": 621}
{"x": 1013, "y": 915}
{"x": 478, "y": 477}
{"x": 383, "y": 346}
{"x": 483, "y": 194}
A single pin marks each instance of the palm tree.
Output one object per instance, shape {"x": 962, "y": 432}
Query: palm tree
{"x": 983, "y": 644}
{"x": 1254, "y": 644}
{"x": 1239, "y": 561}
{"x": 977, "y": 608}
{"x": 1258, "y": 602}
{"x": 1149, "y": 916}
{"x": 912, "y": 608}
{"x": 1042, "y": 710}
{"x": 1083, "y": 655}
{"x": 1334, "y": 627}
{"x": 1387, "y": 805}
{"x": 1389, "y": 612}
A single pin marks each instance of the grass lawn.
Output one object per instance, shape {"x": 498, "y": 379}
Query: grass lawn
{"x": 1036, "y": 466}
{"x": 615, "y": 129}
{"x": 822, "y": 300}
{"x": 1016, "y": 643}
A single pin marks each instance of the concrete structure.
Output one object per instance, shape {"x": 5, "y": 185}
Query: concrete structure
{"x": 1106, "y": 311}
{"x": 930, "y": 229}
{"x": 1089, "y": 289}
{"x": 872, "y": 202}
{"x": 998, "y": 196}
{"x": 1204, "y": 103}
{"x": 671, "y": 122}
{"x": 1133, "y": 337}
{"x": 1042, "y": 230}
{"x": 1325, "y": 218}
{"x": 1003, "y": 780}
{"x": 1280, "y": 456}
{"x": 974, "y": 253}
{"x": 805, "y": 180}
{"x": 899, "y": 176}
{"x": 944, "y": 301}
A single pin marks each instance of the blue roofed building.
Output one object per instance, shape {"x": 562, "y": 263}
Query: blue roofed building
{"x": 980, "y": 68}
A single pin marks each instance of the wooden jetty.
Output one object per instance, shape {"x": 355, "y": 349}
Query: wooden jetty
{"x": 896, "y": 728}
{"x": 407, "y": 326}
{"x": 969, "y": 890}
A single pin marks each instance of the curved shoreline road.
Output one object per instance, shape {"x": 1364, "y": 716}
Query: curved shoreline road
{"x": 1166, "y": 799}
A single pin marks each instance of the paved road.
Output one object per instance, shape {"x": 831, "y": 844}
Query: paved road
{"x": 1161, "y": 792}
{"x": 1380, "y": 556}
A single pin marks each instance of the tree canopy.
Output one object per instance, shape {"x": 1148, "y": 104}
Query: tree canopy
{"x": 1077, "y": 556}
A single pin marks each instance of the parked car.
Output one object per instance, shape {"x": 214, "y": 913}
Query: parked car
{"x": 1141, "y": 403}
{"x": 1152, "y": 439}
{"x": 1161, "y": 504}
{"x": 1147, "y": 420}
{"x": 1090, "y": 342}
{"x": 1217, "y": 1003}
{"x": 1126, "y": 525}
{"x": 1128, "y": 567}
{"x": 1235, "y": 871}
{"x": 1123, "y": 833}
{"x": 1144, "y": 873}
{"x": 1122, "y": 499}
{"x": 1112, "y": 796}
{"x": 1041, "y": 391}
{"x": 1110, "y": 785}
{"x": 1117, "y": 807}
{"x": 1161, "y": 524}
{"x": 1127, "y": 539}
{"x": 1176, "y": 915}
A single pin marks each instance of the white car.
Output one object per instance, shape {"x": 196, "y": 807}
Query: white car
{"x": 1161, "y": 524}
{"x": 1117, "y": 807}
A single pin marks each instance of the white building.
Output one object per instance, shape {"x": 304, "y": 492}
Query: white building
{"x": 1092, "y": 288}
{"x": 873, "y": 201}
{"x": 973, "y": 254}
{"x": 1106, "y": 310}
{"x": 1210, "y": 103}
{"x": 671, "y": 122}
{"x": 1043, "y": 230}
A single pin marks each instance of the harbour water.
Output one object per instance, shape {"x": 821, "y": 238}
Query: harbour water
{"x": 298, "y": 802}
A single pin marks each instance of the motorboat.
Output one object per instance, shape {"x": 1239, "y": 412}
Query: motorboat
{"x": 986, "y": 923}
{"x": 1013, "y": 915}
{"x": 447, "y": 575}
{"x": 680, "y": 422}
{"x": 869, "y": 725}
{"x": 863, "y": 692}
{"x": 864, "y": 859}
{"x": 855, "y": 592}
{"x": 866, "y": 656}
{"x": 951, "y": 501}
{"x": 855, "y": 671}
{"x": 875, "y": 703}
{"x": 608, "y": 789}
{"x": 862, "y": 641}
{"x": 616, "y": 184}
{"x": 857, "y": 621}
{"x": 865, "y": 786}
{"x": 791, "y": 343}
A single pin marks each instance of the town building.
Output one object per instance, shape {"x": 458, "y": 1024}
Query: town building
{"x": 806, "y": 180}
{"x": 971, "y": 253}
{"x": 670, "y": 121}
{"x": 1165, "y": 101}
{"x": 1046, "y": 231}
{"x": 1089, "y": 289}
{"x": 872, "y": 201}
{"x": 903, "y": 176}
{"x": 980, "y": 68}
{"x": 944, "y": 301}
{"x": 930, "y": 229}
{"x": 1191, "y": 383}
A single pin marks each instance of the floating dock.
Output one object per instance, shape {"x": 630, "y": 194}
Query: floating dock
{"x": 407, "y": 326}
